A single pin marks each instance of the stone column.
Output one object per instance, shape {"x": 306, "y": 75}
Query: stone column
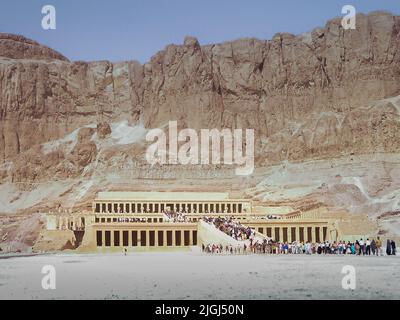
{"x": 298, "y": 234}
{"x": 165, "y": 241}
{"x": 280, "y": 234}
{"x": 289, "y": 234}
{"x": 173, "y": 238}
{"x": 129, "y": 238}
{"x": 103, "y": 238}
{"x": 313, "y": 231}
{"x": 190, "y": 237}
{"x": 156, "y": 238}
{"x": 321, "y": 234}
{"x": 147, "y": 238}
{"x": 112, "y": 238}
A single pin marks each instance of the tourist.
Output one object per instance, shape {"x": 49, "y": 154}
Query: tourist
{"x": 388, "y": 247}
{"x": 340, "y": 248}
{"x": 373, "y": 247}
{"x": 344, "y": 246}
{"x": 286, "y": 248}
{"x": 354, "y": 248}
{"x": 308, "y": 248}
{"x": 378, "y": 246}
{"x": 393, "y": 246}
{"x": 368, "y": 247}
{"x": 347, "y": 248}
{"x": 358, "y": 247}
{"x": 362, "y": 247}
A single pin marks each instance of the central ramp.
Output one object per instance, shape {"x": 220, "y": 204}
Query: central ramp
{"x": 209, "y": 234}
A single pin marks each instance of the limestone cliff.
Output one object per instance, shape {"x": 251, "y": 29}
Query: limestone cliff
{"x": 302, "y": 94}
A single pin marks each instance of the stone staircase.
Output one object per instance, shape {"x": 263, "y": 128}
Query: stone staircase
{"x": 210, "y": 234}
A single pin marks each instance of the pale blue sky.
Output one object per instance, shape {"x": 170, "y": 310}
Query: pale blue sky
{"x": 136, "y": 29}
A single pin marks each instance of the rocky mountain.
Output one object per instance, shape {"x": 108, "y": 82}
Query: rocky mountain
{"x": 330, "y": 93}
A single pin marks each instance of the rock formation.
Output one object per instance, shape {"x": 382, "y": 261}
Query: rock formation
{"x": 302, "y": 94}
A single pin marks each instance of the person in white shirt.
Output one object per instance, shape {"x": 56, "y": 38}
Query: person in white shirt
{"x": 362, "y": 247}
{"x": 368, "y": 247}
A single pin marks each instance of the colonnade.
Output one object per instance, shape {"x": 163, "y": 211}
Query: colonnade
{"x": 71, "y": 222}
{"x": 158, "y": 207}
{"x": 301, "y": 233}
{"x": 145, "y": 238}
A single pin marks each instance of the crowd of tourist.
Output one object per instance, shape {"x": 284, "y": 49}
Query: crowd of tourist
{"x": 176, "y": 216}
{"x": 231, "y": 227}
{"x": 262, "y": 244}
{"x": 359, "y": 247}
{"x": 130, "y": 220}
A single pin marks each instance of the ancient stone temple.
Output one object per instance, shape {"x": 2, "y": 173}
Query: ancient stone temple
{"x": 145, "y": 221}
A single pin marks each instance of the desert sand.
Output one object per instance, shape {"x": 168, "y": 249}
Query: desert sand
{"x": 195, "y": 276}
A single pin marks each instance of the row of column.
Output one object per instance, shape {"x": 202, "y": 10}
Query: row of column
{"x": 158, "y": 207}
{"x": 119, "y": 220}
{"x": 143, "y": 238}
{"x": 301, "y": 233}
{"x": 70, "y": 223}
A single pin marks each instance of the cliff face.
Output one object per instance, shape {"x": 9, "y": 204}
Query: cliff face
{"x": 302, "y": 94}
{"x": 319, "y": 95}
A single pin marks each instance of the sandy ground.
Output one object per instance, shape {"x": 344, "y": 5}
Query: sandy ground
{"x": 195, "y": 276}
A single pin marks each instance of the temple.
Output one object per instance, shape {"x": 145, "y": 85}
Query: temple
{"x": 145, "y": 221}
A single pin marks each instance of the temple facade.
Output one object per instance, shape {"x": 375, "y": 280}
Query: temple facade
{"x": 173, "y": 220}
